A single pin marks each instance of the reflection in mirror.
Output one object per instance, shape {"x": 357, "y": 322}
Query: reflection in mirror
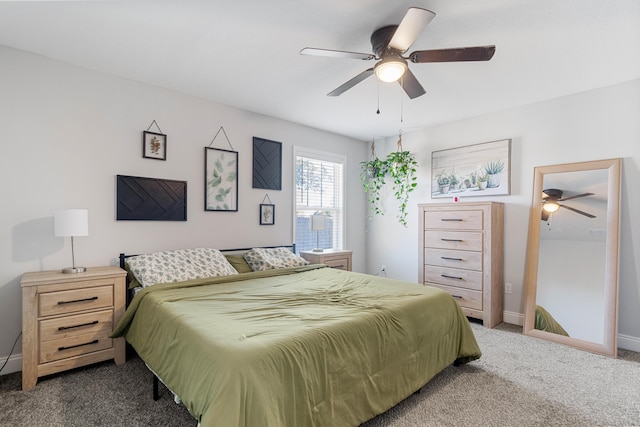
{"x": 572, "y": 269}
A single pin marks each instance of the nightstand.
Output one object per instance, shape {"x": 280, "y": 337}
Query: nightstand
{"x": 67, "y": 320}
{"x": 335, "y": 258}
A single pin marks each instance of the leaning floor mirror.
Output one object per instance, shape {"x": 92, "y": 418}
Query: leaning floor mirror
{"x": 572, "y": 255}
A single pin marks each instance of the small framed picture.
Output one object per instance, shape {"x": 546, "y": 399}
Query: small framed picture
{"x": 154, "y": 145}
{"x": 267, "y": 214}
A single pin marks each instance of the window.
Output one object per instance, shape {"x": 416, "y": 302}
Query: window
{"x": 319, "y": 190}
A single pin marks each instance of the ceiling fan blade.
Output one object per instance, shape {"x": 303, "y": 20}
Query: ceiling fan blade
{"x": 576, "y": 196}
{"x": 578, "y": 211}
{"x": 336, "y": 53}
{"x": 351, "y": 83}
{"x": 411, "y": 85}
{"x": 414, "y": 21}
{"x": 476, "y": 53}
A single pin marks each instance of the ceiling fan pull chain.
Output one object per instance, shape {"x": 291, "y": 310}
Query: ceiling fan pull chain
{"x": 378, "y": 112}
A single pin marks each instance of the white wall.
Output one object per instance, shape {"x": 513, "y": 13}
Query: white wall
{"x": 598, "y": 124}
{"x": 66, "y": 132}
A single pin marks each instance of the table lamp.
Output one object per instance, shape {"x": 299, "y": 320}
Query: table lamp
{"x": 318, "y": 224}
{"x": 71, "y": 223}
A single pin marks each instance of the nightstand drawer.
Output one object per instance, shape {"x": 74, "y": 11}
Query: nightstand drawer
{"x": 453, "y": 220}
{"x": 69, "y": 326}
{"x": 339, "y": 263}
{"x": 468, "y": 260}
{"x": 62, "y": 302}
{"x": 74, "y": 346}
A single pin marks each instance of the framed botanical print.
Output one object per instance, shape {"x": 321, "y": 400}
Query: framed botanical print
{"x": 154, "y": 145}
{"x": 267, "y": 214}
{"x": 220, "y": 180}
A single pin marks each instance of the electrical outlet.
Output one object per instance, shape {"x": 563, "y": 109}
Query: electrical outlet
{"x": 507, "y": 288}
{"x": 383, "y": 269}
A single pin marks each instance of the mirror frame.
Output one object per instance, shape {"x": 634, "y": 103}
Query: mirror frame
{"x": 610, "y": 343}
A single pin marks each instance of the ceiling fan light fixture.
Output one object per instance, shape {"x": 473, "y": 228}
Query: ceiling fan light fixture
{"x": 390, "y": 69}
{"x": 550, "y": 206}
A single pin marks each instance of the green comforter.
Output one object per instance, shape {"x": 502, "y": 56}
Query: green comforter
{"x": 296, "y": 347}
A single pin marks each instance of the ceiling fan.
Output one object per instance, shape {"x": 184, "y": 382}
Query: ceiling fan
{"x": 389, "y": 45}
{"x": 550, "y": 203}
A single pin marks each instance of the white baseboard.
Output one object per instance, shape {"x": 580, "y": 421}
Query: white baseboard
{"x": 14, "y": 364}
{"x": 513, "y": 318}
{"x": 628, "y": 342}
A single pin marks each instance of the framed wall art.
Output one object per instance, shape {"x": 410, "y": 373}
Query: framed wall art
{"x": 154, "y": 145}
{"x": 220, "y": 180}
{"x": 267, "y": 214}
{"x": 267, "y": 164}
{"x": 150, "y": 199}
{"x": 474, "y": 170}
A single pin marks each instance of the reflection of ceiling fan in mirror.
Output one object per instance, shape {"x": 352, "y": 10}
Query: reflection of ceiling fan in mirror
{"x": 390, "y": 43}
{"x": 550, "y": 204}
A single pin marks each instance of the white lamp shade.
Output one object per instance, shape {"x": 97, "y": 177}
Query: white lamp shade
{"x": 71, "y": 222}
{"x": 318, "y": 222}
{"x": 550, "y": 207}
{"x": 390, "y": 70}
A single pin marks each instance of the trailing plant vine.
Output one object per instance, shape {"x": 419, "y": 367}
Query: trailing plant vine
{"x": 402, "y": 167}
{"x": 372, "y": 177}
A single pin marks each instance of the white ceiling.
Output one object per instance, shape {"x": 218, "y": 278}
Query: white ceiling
{"x": 245, "y": 53}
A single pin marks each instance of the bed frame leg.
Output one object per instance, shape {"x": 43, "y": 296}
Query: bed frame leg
{"x": 156, "y": 394}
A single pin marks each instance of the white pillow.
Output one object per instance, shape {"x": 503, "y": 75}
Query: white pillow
{"x": 179, "y": 265}
{"x": 261, "y": 259}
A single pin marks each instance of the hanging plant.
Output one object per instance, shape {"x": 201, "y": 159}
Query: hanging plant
{"x": 402, "y": 167}
{"x": 372, "y": 177}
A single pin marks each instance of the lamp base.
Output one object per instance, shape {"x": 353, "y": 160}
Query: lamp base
{"x": 318, "y": 250}
{"x": 73, "y": 270}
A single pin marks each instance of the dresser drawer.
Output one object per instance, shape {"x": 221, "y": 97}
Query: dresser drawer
{"x": 453, "y": 220}
{"x": 454, "y": 277}
{"x": 464, "y": 240}
{"x": 69, "y": 326}
{"x": 63, "y": 302}
{"x": 464, "y": 297}
{"x": 74, "y": 346}
{"x": 468, "y": 260}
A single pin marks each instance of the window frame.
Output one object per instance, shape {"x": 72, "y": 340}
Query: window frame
{"x": 325, "y": 157}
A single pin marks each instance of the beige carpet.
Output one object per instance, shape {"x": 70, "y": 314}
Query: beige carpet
{"x": 519, "y": 381}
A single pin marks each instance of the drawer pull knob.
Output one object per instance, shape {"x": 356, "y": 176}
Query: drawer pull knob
{"x": 77, "y": 345}
{"x": 451, "y": 259}
{"x": 77, "y": 300}
{"x": 457, "y": 296}
{"x": 337, "y": 266}
{"x": 450, "y": 277}
{"x": 64, "y": 328}
{"x": 452, "y": 240}
{"x": 450, "y": 219}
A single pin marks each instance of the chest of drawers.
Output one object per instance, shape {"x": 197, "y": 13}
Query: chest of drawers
{"x": 67, "y": 320}
{"x": 461, "y": 252}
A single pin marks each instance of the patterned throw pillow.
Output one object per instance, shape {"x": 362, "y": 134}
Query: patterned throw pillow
{"x": 261, "y": 259}
{"x": 179, "y": 265}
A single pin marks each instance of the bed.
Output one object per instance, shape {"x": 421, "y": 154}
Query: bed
{"x": 291, "y": 345}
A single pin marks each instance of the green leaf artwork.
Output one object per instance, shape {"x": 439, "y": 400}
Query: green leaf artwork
{"x": 221, "y": 180}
